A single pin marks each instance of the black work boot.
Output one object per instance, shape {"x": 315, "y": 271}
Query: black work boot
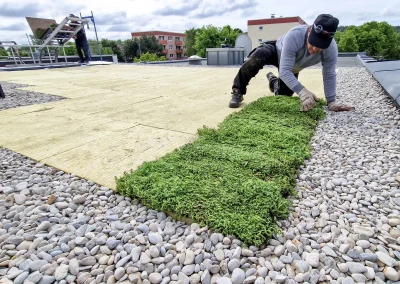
{"x": 237, "y": 98}
{"x": 273, "y": 83}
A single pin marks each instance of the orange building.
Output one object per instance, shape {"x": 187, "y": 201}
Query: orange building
{"x": 174, "y": 43}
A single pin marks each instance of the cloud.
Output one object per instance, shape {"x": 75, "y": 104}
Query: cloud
{"x": 119, "y": 28}
{"x": 362, "y": 16}
{"x": 219, "y": 9}
{"x": 183, "y": 10}
{"x": 389, "y": 12}
{"x": 117, "y": 18}
{"x": 14, "y": 11}
{"x": 14, "y": 27}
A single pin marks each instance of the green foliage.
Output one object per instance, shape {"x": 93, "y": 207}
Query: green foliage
{"x": 228, "y": 33}
{"x": 115, "y": 48}
{"x": 149, "y": 44}
{"x": 378, "y": 39}
{"x": 190, "y": 41}
{"x": 149, "y": 57}
{"x": 134, "y": 49}
{"x": 70, "y": 49}
{"x": 3, "y": 52}
{"x": 210, "y": 37}
{"x": 131, "y": 49}
{"x": 234, "y": 179}
{"x": 347, "y": 42}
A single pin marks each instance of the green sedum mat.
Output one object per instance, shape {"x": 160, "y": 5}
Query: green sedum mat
{"x": 236, "y": 178}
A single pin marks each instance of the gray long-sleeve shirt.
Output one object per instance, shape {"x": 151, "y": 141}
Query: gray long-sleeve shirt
{"x": 293, "y": 57}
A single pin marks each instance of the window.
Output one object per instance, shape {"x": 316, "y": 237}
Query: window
{"x": 183, "y": 39}
{"x": 179, "y": 56}
{"x": 177, "y": 38}
{"x": 161, "y": 37}
{"x": 184, "y": 55}
{"x": 260, "y": 28}
{"x": 178, "y": 47}
{"x": 171, "y": 56}
{"x": 170, "y": 38}
{"x": 259, "y": 40}
{"x": 171, "y": 47}
{"x": 164, "y": 46}
{"x": 184, "y": 47}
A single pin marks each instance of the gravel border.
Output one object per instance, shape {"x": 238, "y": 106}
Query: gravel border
{"x": 17, "y": 98}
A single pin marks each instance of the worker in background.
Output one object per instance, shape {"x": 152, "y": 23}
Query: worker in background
{"x": 81, "y": 43}
{"x": 301, "y": 47}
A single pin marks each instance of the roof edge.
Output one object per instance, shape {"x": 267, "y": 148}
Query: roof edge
{"x": 157, "y": 33}
{"x": 270, "y": 21}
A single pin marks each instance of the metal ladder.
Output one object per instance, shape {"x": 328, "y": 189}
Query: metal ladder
{"x": 55, "y": 38}
{"x": 13, "y": 48}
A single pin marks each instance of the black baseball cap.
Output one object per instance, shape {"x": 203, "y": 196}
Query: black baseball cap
{"x": 323, "y": 31}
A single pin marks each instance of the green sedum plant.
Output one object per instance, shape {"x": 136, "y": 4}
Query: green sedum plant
{"x": 234, "y": 179}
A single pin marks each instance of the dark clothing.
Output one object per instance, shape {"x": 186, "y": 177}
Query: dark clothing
{"x": 81, "y": 35}
{"x": 266, "y": 54}
{"x": 2, "y": 95}
{"x": 82, "y": 45}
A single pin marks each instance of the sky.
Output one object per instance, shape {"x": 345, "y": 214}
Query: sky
{"x": 117, "y": 19}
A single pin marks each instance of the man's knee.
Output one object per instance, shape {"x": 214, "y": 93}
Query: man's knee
{"x": 252, "y": 65}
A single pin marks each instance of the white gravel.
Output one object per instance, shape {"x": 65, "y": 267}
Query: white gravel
{"x": 344, "y": 228}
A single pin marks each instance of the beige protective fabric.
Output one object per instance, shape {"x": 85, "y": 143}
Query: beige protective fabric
{"x": 118, "y": 116}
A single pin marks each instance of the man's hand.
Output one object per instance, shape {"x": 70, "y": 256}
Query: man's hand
{"x": 334, "y": 106}
{"x": 307, "y": 100}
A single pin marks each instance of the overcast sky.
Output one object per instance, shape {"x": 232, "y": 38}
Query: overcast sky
{"x": 116, "y": 19}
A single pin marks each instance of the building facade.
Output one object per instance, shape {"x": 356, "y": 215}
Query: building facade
{"x": 271, "y": 28}
{"x": 174, "y": 43}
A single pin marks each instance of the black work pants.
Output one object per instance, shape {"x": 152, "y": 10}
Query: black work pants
{"x": 265, "y": 54}
{"x": 82, "y": 44}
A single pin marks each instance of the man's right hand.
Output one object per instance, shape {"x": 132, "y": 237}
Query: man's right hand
{"x": 307, "y": 100}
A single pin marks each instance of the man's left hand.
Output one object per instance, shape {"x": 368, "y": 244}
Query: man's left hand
{"x": 334, "y": 106}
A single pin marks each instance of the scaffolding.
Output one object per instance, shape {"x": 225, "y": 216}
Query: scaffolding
{"x": 55, "y": 37}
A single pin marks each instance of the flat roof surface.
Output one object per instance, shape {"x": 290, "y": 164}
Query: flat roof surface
{"x": 118, "y": 116}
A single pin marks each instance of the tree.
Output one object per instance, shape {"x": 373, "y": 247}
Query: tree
{"x": 348, "y": 42}
{"x": 3, "y": 52}
{"x": 370, "y": 38}
{"x": 210, "y": 37}
{"x": 338, "y": 36}
{"x": 228, "y": 33}
{"x": 70, "y": 49}
{"x": 342, "y": 28}
{"x": 207, "y": 37}
{"x": 151, "y": 45}
{"x": 131, "y": 49}
{"x": 190, "y": 41}
{"x": 389, "y": 45}
{"x": 148, "y": 57}
{"x": 113, "y": 44}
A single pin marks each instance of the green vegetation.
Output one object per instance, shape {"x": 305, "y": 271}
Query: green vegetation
{"x": 3, "y": 52}
{"x": 197, "y": 40}
{"x": 236, "y": 178}
{"x": 378, "y": 39}
{"x": 134, "y": 48}
{"x": 148, "y": 57}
